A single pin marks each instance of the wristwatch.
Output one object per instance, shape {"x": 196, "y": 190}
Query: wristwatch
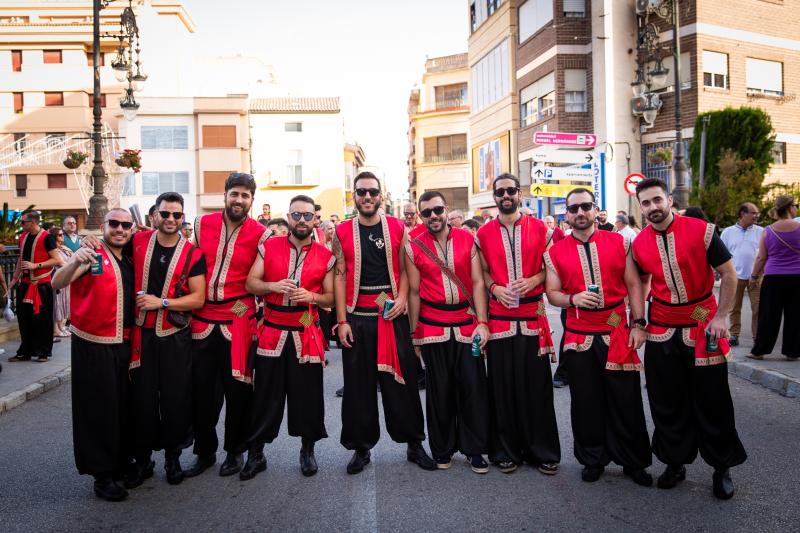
{"x": 640, "y": 323}
{"x": 164, "y": 303}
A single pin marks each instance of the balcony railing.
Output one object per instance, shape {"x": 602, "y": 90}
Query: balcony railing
{"x": 450, "y": 103}
{"x": 445, "y": 158}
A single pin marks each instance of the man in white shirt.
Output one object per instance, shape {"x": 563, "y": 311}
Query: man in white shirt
{"x": 621, "y": 226}
{"x": 742, "y": 241}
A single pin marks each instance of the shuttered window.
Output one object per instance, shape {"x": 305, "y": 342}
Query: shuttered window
{"x": 53, "y": 99}
{"x": 52, "y": 56}
{"x": 19, "y": 102}
{"x": 16, "y": 60}
{"x": 214, "y": 180}
{"x": 56, "y": 181}
{"x": 219, "y": 136}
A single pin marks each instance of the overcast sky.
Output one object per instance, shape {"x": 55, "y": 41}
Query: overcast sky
{"x": 369, "y": 52}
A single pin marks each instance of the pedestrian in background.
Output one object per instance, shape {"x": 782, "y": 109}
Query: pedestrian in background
{"x": 742, "y": 241}
{"x": 61, "y": 304}
{"x": 602, "y": 221}
{"x": 779, "y": 257}
{"x": 71, "y": 238}
{"x": 621, "y": 226}
{"x": 558, "y": 233}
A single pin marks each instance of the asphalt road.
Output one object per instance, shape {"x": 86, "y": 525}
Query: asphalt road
{"x": 40, "y": 489}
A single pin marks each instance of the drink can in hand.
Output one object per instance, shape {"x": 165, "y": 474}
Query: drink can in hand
{"x": 97, "y": 267}
{"x": 593, "y": 288}
{"x": 711, "y": 343}
{"x": 476, "y": 346}
{"x": 387, "y": 306}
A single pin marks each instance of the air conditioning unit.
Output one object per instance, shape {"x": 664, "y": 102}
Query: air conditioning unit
{"x": 645, "y": 6}
{"x": 638, "y": 104}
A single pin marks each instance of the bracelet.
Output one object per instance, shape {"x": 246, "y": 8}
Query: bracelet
{"x": 491, "y": 288}
{"x": 485, "y": 323}
{"x": 341, "y": 323}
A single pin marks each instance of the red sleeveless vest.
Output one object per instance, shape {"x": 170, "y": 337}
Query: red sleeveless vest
{"x": 87, "y": 291}
{"x": 38, "y": 255}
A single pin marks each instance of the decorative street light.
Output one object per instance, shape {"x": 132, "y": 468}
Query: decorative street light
{"x": 123, "y": 67}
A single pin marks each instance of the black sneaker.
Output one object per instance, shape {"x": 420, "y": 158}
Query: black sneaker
{"x": 549, "y": 469}
{"x": 639, "y": 476}
{"x": 478, "y": 464}
{"x": 107, "y": 489}
{"x": 733, "y": 340}
{"x": 590, "y": 474}
{"x": 506, "y": 467}
{"x": 18, "y": 357}
{"x": 671, "y": 476}
{"x": 443, "y": 463}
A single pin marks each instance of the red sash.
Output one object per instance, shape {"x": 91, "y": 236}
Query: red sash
{"x": 584, "y": 324}
{"x": 694, "y": 317}
{"x": 388, "y": 360}
{"x": 39, "y": 275}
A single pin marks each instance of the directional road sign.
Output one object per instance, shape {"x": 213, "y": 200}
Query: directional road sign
{"x": 549, "y": 189}
{"x": 565, "y": 139}
{"x": 580, "y": 174}
{"x": 575, "y": 157}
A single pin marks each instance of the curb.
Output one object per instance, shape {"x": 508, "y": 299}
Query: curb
{"x": 770, "y": 379}
{"x": 17, "y": 398}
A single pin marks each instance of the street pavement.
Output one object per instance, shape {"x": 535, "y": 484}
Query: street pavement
{"x": 40, "y": 489}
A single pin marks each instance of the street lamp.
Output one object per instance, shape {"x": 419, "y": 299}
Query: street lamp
{"x": 122, "y": 66}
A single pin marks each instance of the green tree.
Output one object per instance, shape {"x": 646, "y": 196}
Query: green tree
{"x": 739, "y": 181}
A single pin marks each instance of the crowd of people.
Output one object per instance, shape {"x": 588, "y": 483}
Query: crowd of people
{"x": 241, "y": 310}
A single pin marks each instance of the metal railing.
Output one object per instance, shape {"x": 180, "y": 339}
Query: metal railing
{"x": 451, "y": 103}
{"x": 445, "y": 158}
{"x": 8, "y": 263}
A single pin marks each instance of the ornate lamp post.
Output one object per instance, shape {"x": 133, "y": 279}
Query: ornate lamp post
{"x": 127, "y": 66}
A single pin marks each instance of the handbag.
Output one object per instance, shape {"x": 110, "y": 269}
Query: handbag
{"x": 181, "y": 319}
{"x": 446, "y": 271}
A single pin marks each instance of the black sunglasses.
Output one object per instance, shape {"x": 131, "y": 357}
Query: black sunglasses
{"x": 439, "y": 209}
{"x": 177, "y": 215}
{"x": 372, "y": 192}
{"x": 511, "y": 191}
{"x": 586, "y": 206}
{"x": 117, "y": 223}
{"x": 296, "y": 216}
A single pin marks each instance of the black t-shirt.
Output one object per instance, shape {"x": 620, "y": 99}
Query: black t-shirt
{"x": 159, "y": 264}
{"x": 374, "y": 270}
{"x": 608, "y": 226}
{"x": 128, "y": 291}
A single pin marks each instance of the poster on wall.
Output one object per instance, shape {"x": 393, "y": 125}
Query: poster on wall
{"x": 489, "y": 160}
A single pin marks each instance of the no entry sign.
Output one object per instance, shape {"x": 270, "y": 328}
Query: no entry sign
{"x": 631, "y": 181}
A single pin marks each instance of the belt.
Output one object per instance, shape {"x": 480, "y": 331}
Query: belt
{"x": 445, "y": 307}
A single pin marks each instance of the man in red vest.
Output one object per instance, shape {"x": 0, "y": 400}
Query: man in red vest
{"x": 38, "y": 255}
{"x": 520, "y": 385}
{"x": 687, "y": 347}
{"x": 447, "y": 311}
{"x": 376, "y": 338}
{"x": 161, "y": 358}
{"x": 599, "y": 349}
{"x": 100, "y": 355}
{"x": 297, "y": 279}
{"x": 222, "y": 329}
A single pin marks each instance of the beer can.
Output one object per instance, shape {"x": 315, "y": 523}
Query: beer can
{"x": 297, "y": 283}
{"x": 593, "y": 288}
{"x": 141, "y": 293}
{"x": 97, "y": 267}
{"x": 387, "y": 306}
{"x": 711, "y": 343}
{"x": 476, "y": 346}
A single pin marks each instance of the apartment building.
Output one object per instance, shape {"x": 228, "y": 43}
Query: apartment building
{"x": 354, "y": 160}
{"x": 439, "y": 131}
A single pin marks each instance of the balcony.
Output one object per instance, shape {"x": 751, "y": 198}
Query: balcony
{"x": 446, "y": 158}
{"x": 450, "y": 103}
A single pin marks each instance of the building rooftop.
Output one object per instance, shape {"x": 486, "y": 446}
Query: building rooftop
{"x": 295, "y": 104}
{"x": 445, "y": 63}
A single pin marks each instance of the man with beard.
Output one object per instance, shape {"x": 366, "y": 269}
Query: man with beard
{"x": 100, "y": 355}
{"x": 290, "y": 355}
{"x": 318, "y": 234}
{"x": 602, "y": 221}
{"x": 222, "y": 329}
{"x": 376, "y": 339}
{"x": 599, "y": 348}
{"x": 161, "y": 357}
{"x": 687, "y": 347}
{"x": 520, "y": 385}
{"x": 447, "y": 309}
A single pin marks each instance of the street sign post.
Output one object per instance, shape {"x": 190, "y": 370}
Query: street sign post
{"x": 631, "y": 181}
{"x": 551, "y": 189}
{"x": 582, "y": 174}
{"x": 564, "y": 139}
{"x": 575, "y": 157}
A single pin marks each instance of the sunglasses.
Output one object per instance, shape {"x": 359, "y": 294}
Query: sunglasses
{"x": 371, "y": 192}
{"x": 438, "y": 210}
{"x": 117, "y": 223}
{"x": 586, "y": 206}
{"x": 296, "y": 216}
{"x": 177, "y": 215}
{"x": 511, "y": 191}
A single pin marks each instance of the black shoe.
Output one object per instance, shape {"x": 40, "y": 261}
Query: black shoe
{"x": 560, "y": 383}
{"x": 590, "y": 474}
{"x": 232, "y": 464}
{"x": 733, "y": 340}
{"x": 478, "y": 464}
{"x": 723, "y": 484}
{"x": 107, "y": 489}
{"x": 640, "y": 476}
{"x": 256, "y": 462}
{"x": 308, "y": 462}
{"x": 417, "y": 454}
{"x": 506, "y": 467}
{"x": 41, "y": 359}
{"x": 671, "y": 476}
{"x": 18, "y": 357}
{"x": 340, "y": 392}
{"x": 548, "y": 469}
{"x": 443, "y": 463}
{"x": 200, "y": 465}
{"x": 138, "y": 472}
{"x": 172, "y": 465}
{"x": 357, "y": 463}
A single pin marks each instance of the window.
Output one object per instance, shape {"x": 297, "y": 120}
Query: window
{"x": 102, "y": 100}
{"x": 574, "y": 8}
{"x": 56, "y": 181}
{"x": 129, "y": 184}
{"x": 491, "y": 6}
{"x": 219, "y": 136}
{"x": 165, "y": 137}
{"x": 53, "y": 99}
{"x": 294, "y": 167}
{"x": 90, "y": 59}
{"x": 21, "y": 185}
{"x": 52, "y": 56}
{"x": 56, "y": 140}
{"x": 533, "y": 15}
{"x": 214, "y": 180}
{"x": 16, "y": 60}
{"x": 19, "y": 102}
{"x": 538, "y": 100}
{"x": 446, "y": 148}
{"x": 155, "y": 183}
{"x": 478, "y": 13}
{"x": 293, "y": 126}
{"x": 715, "y": 69}
{"x": 449, "y": 96}
{"x": 490, "y": 78}
{"x": 779, "y": 153}
{"x": 765, "y": 77}
{"x": 20, "y": 143}
{"x": 575, "y": 91}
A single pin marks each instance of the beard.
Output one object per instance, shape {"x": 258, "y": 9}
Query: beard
{"x": 432, "y": 222}
{"x": 367, "y": 209}
{"x": 301, "y": 233}
{"x": 168, "y": 231}
{"x": 658, "y": 215}
{"x": 581, "y": 223}
{"x": 233, "y": 216}
{"x": 507, "y": 210}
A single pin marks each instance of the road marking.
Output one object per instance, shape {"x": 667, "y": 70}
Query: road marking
{"x": 363, "y": 509}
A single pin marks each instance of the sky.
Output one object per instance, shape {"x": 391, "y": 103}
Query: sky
{"x": 368, "y": 52}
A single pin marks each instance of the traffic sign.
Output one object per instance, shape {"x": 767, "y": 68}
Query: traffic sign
{"x": 582, "y": 174}
{"x": 565, "y": 139}
{"x": 550, "y": 155}
{"x": 549, "y": 189}
{"x": 631, "y": 181}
